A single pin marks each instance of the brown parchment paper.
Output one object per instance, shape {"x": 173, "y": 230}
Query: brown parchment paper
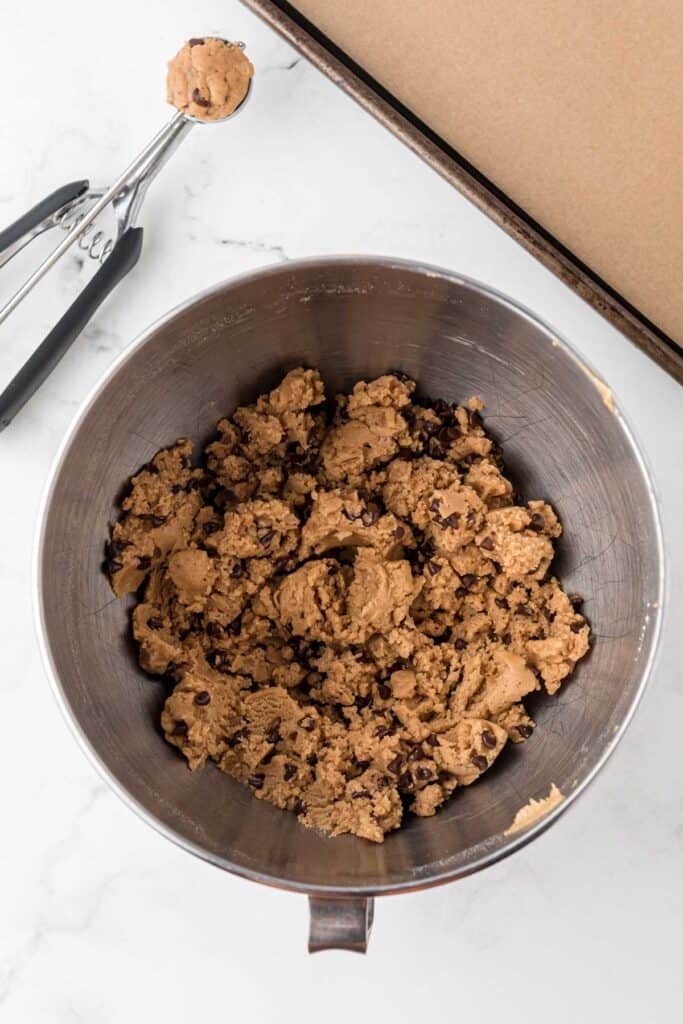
{"x": 573, "y": 109}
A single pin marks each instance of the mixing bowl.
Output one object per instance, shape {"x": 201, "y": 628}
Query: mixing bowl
{"x": 564, "y": 440}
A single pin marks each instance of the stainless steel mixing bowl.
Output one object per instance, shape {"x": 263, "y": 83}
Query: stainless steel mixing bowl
{"x": 353, "y": 318}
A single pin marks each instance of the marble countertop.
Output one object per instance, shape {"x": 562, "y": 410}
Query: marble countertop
{"x": 102, "y": 919}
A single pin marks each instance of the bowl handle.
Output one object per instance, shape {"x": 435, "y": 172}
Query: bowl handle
{"x": 339, "y": 922}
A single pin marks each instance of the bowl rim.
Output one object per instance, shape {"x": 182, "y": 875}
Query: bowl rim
{"x": 371, "y": 262}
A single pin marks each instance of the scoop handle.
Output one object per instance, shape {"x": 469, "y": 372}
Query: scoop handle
{"x": 42, "y": 362}
{"x": 340, "y": 923}
{"x": 37, "y": 218}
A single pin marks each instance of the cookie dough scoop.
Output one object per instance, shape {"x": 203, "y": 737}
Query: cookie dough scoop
{"x": 209, "y": 80}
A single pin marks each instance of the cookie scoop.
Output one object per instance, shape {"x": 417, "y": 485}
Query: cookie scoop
{"x": 209, "y": 80}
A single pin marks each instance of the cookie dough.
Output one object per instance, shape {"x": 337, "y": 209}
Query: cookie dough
{"x": 534, "y": 810}
{"x": 346, "y": 598}
{"x": 208, "y": 78}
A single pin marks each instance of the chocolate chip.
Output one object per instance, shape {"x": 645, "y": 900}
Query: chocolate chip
{"x": 575, "y": 600}
{"x": 234, "y": 628}
{"x": 475, "y": 418}
{"x": 415, "y": 754}
{"x": 360, "y": 793}
{"x": 435, "y": 506}
{"x": 468, "y": 580}
{"x": 502, "y": 602}
{"x": 215, "y": 658}
{"x": 195, "y": 42}
{"x": 427, "y": 549}
{"x": 436, "y": 449}
{"x": 256, "y": 781}
{"x": 312, "y": 759}
{"x": 202, "y": 698}
{"x": 144, "y": 562}
{"x": 223, "y": 497}
{"x": 550, "y": 615}
{"x": 210, "y": 527}
{"x": 149, "y": 467}
{"x": 433, "y": 740}
{"x": 363, "y": 702}
{"x": 214, "y": 629}
{"x": 488, "y": 739}
{"x": 237, "y": 570}
{"x": 273, "y": 734}
{"x": 487, "y": 544}
{"x": 290, "y": 771}
{"x": 115, "y": 547}
{"x": 434, "y": 568}
{"x": 382, "y": 782}
{"x": 537, "y": 521}
{"x": 362, "y": 765}
{"x": 398, "y": 665}
{"x": 299, "y": 807}
{"x": 395, "y": 766}
{"x": 407, "y": 454}
{"x": 370, "y": 516}
{"x": 399, "y": 532}
{"x": 479, "y": 761}
{"x": 154, "y": 623}
{"x": 113, "y": 566}
{"x": 158, "y": 520}
{"x": 384, "y": 691}
{"x": 461, "y": 592}
{"x": 460, "y": 644}
{"x": 200, "y": 100}
{"x": 506, "y": 638}
{"x": 266, "y": 538}
{"x": 576, "y": 627}
{"x": 524, "y": 609}
{"x": 382, "y": 730}
{"x": 453, "y": 520}
{"x": 307, "y": 723}
{"x": 196, "y": 622}
{"x": 525, "y": 731}
{"x": 440, "y": 407}
{"x": 423, "y": 773}
{"x": 177, "y": 488}
{"x": 179, "y": 729}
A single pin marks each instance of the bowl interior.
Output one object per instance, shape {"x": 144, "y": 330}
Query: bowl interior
{"x": 353, "y": 319}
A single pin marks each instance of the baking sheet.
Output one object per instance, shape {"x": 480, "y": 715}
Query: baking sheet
{"x": 564, "y": 121}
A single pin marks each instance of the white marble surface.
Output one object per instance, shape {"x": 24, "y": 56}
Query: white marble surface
{"x": 101, "y": 919}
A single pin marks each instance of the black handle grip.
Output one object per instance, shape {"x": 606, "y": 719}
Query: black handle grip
{"x": 43, "y": 209}
{"x": 40, "y": 365}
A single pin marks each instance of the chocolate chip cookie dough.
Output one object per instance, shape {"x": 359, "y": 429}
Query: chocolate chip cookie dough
{"x": 208, "y": 78}
{"x": 347, "y": 599}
